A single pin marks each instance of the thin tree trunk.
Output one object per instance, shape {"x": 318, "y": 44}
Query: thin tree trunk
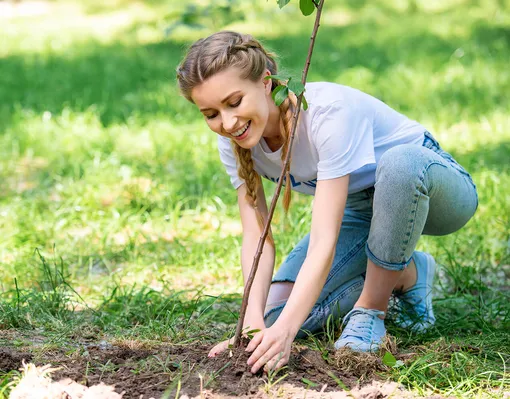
{"x": 256, "y": 259}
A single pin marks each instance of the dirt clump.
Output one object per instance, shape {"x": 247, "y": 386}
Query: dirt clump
{"x": 10, "y": 359}
{"x": 229, "y": 374}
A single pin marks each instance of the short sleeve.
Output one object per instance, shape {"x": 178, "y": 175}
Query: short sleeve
{"x": 229, "y": 161}
{"x": 344, "y": 140}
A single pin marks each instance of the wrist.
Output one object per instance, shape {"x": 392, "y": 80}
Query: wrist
{"x": 283, "y": 324}
{"x": 254, "y": 323}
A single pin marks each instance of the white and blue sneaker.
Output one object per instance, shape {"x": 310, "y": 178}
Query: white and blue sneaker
{"x": 415, "y": 304}
{"x": 364, "y": 330}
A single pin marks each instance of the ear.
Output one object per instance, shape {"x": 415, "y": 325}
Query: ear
{"x": 268, "y": 83}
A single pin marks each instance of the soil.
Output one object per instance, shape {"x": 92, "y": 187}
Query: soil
{"x": 11, "y": 359}
{"x": 144, "y": 373}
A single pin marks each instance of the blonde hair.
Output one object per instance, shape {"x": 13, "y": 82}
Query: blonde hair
{"x": 223, "y": 50}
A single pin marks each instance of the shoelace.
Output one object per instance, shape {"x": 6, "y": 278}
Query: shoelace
{"x": 363, "y": 323}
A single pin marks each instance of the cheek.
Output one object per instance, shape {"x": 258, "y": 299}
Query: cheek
{"x": 263, "y": 112}
{"x": 214, "y": 126}
{"x": 260, "y": 110}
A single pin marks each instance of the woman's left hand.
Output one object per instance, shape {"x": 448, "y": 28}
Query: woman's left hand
{"x": 270, "y": 347}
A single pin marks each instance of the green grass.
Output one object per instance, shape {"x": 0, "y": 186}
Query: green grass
{"x": 117, "y": 218}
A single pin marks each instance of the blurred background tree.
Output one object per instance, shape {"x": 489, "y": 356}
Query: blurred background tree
{"x": 212, "y": 14}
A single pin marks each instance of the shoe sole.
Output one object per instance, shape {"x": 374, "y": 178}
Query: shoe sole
{"x": 431, "y": 269}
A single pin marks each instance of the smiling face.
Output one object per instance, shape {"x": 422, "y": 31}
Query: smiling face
{"x": 237, "y": 108}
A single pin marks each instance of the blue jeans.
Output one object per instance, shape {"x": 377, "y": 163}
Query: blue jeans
{"x": 418, "y": 190}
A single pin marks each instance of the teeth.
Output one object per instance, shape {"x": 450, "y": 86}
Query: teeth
{"x": 241, "y": 131}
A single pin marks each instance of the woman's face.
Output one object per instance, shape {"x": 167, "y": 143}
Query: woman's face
{"x": 234, "y": 107}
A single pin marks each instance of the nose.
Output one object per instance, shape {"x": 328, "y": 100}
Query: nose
{"x": 229, "y": 121}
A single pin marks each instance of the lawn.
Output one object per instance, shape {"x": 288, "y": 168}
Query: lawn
{"x": 120, "y": 231}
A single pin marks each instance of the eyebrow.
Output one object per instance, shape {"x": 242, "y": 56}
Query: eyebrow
{"x": 222, "y": 101}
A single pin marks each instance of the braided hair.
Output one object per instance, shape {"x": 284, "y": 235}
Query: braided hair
{"x": 223, "y": 50}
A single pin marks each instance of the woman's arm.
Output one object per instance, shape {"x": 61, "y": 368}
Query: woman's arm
{"x": 251, "y": 236}
{"x": 272, "y": 346}
{"x": 328, "y": 211}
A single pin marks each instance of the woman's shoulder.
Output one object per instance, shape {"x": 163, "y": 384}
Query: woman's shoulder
{"x": 324, "y": 94}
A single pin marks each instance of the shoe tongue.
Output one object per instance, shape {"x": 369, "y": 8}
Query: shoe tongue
{"x": 363, "y": 311}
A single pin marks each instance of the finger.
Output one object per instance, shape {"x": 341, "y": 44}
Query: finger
{"x": 255, "y": 342}
{"x": 283, "y": 361}
{"x": 275, "y": 362}
{"x": 260, "y": 350}
{"x": 263, "y": 359}
{"x": 215, "y": 350}
{"x": 219, "y": 348}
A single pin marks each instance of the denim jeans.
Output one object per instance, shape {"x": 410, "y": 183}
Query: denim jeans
{"x": 418, "y": 190}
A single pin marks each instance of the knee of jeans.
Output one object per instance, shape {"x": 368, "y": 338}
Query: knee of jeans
{"x": 404, "y": 162}
{"x": 271, "y": 314}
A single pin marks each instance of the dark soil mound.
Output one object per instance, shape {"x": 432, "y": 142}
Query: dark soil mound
{"x": 11, "y": 359}
{"x": 180, "y": 371}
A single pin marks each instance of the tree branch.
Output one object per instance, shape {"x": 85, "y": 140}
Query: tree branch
{"x": 256, "y": 259}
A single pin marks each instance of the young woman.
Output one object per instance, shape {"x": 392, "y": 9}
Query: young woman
{"x": 380, "y": 181}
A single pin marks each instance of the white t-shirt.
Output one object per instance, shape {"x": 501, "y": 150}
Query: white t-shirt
{"x": 343, "y": 132}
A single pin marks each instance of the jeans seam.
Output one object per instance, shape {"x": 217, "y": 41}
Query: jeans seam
{"x": 276, "y": 308}
{"x": 418, "y": 196}
{"x": 282, "y": 280}
{"x": 345, "y": 292}
{"x": 360, "y": 245}
{"x": 383, "y": 264}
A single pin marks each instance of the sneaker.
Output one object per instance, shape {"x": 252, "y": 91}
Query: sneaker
{"x": 415, "y": 304}
{"x": 363, "y": 331}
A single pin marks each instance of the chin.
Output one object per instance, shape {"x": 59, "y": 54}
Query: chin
{"x": 247, "y": 145}
{"x": 249, "y": 142}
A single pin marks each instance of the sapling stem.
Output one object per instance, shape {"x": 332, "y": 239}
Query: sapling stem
{"x": 258, "y": 253}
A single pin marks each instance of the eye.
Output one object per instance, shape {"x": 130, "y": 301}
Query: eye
{"x": 210, "y": 116}
{"x": 236, "y": 104}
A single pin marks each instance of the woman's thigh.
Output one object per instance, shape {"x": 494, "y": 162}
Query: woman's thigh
{"x": 418, "y": 190}
{"x": 453, "y": 195}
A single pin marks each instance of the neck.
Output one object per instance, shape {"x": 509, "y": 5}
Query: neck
{"x": 272, "y": 132}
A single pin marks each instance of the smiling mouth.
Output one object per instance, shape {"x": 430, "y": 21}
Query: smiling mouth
{"x": 241, "y": 131}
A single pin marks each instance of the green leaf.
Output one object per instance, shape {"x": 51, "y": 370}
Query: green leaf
{"x": 251, "y": 333}
{"x": 307, "y": 7}
{"x": 278, "y": 77}
{"x": 277, "y": 90}
{"x": 282, "y": 3}
{"x": 305, "y": 103}
{"x": 308, "y": 382}
{"x": 389, "y": 360}
{"x": 280, "y": 94}
{"x": 296, "y": 86}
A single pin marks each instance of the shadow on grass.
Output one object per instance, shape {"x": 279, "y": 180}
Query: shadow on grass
{"x": 121, "y": 81}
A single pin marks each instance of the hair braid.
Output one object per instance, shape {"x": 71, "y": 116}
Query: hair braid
{"x": 246, "y": 171}
{"x": 286, "y": 112}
